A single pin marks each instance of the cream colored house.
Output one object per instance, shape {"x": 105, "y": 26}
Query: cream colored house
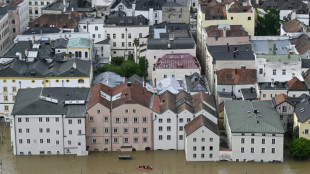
{"x": 302, "y": 117}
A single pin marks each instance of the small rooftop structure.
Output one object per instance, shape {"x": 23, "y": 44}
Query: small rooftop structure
{"x": 109, "y": 79}
{"x": 173, "y": 85}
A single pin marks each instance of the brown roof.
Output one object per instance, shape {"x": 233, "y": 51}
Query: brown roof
{"x": 294, "y": 26}
{"x": 296, "y": 85}
{"x": 302, "y": 43}
{"x": 241, "y": 76}
{"x": 203, "y": 101}
{"x": 278, "y": 99}
{"x": 167, "y": 102}
{"x": 221, "y": 107}
{"x": 129, "y": 94}
{"x": 234, "y": 31}
{"x": 217, "y": 12}
{"x": 178, "y": 61}
{"x": 199, "y": 122}
{"x": 59, "y": 20}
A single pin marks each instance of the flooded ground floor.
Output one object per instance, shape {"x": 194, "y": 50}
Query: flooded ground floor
{"x": 167, "y": 162}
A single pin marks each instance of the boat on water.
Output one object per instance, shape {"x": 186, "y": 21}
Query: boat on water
{"x": 142, "y": 167}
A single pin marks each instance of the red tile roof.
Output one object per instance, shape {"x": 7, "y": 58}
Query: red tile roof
{"x": 198, "y": 122}
{"x": 241, "y": 76}
{"x": 278, "y": 99}
{"x": 302, "y": 43}
{"x": 296, "y": 85}
{"x": 178, "y": 61}
{"x": 294, "y": 26}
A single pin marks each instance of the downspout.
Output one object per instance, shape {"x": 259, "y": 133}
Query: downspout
{"x": 15, "y": 135}
{"x": 177, "y": 132}
{"x": 63, "y": 133}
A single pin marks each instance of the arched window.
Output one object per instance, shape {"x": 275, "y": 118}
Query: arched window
{"x": 76, "y": 54}
{"x": 80, "y": 81}
{"x": 80, "y": 53}
{"x": 86, "y": 54}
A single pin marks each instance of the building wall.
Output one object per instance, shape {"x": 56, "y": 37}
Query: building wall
{"x": 303, "y": 127}
{"x": 175, "y": 14}
{"x": 153, "y": 55}
{"x": 23, "y": 8}
{"x": 14, "y": 24}
{"x": 96, "y": 30}
{"x": 141, "y": 112}
{"x": 268, "y": 94}
{"x": 285, "y": 114}
{"x": 297, "y": 93}
{"x": 202, "y": 145}
{"x": 154, "y": 16}
{"x": 86, "y": 53}
{"x": 36, "y": 7}
{"x": 183, "y": 117}
{"x": 161, "y": 73}
{"x": 4, "y": 33}
{"x": 236, "y": 89}
{"x": 291, "y": 69}
{"x": 123, "y": 8}
{"x": 96, "y": 124}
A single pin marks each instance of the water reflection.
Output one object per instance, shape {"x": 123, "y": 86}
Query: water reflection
{"x": 167, "y": 162}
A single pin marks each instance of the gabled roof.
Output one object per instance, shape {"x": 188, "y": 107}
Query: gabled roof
{"x": 306, "y": 77}
{"x": 41, "y": 30}
{"x": 302, "y": 108}
{"x": 296, "y": 85}
{"x": 126, "y": 3}
{"x": 119, "y": 18}
{"x": 196, "y": 83}
{"x": 297, "y": 5}
{"x": 74, "y": 5}
{"x": 178, "y": 61}
{"x": 295, "y": 26}
{"x": 51, "y": 101}
{"x": 236, "y": 76}
{"x": 231, "y": 52}
{"x": 278, "y": 99}
{"x": 174, "y": 85}
{"x": 249, "y": 93}
{"x": 40, "y": 68}
{"x": 252, "y": 117}
{"x": 302, "y": 43}
{"x": 198, "y": 122}
{"x": 145, "y": 5}
{"x": 110, "y": 79}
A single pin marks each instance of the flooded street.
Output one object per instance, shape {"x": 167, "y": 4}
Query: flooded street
{"x": 172, "y": 162}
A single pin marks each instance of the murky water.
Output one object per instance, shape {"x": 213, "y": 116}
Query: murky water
{"x": 167, "y": 162}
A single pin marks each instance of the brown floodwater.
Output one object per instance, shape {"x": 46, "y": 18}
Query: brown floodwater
{"x": 167, "y": 162}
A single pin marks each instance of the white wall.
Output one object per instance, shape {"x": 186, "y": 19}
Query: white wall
{"x": 160, "y": 73}
{"x": 23, "y": 15}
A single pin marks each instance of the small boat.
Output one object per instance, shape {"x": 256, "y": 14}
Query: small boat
{"x": 124, "y": 157}
{"x": 141, "y": 167}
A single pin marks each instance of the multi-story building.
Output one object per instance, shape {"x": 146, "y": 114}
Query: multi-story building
{"x": 196, "y": 83}
{"x": 294, "y": 28}
{"x": 173, "y": 12}
{"x": 36, "y": 7}
{"x": 302, "y": 46}
{"x": 202, "y": 141}
{"x": 175, "y": 65}
{"x": 285, "y": 108}
{"x": 81, "y": 48}
{"x": 93, "y": 26}
{"x": 49, "y": 121}
{"x": 4, "y": 32}
{"x": 254, "y": 131}
{"x": 20, "y": 74}
{"x": 120, "y": 118}
{"x": 301, "y": 125}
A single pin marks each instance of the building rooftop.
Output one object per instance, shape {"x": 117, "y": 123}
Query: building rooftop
{"x": 306, "y": 76}
{"x": 302, "y": 43}
{"x": 236, "y": 76}
{"x": 145, "y": 5}
{"x": 72, "y": 5}
{"x": 106, "y": 41}
{"x": 173, "y": 85}
{"x": 126, "y": 3}
{"x": 231, "y": 52}
{"x": 6, "y": 9}
{"x": 119, "y": 18}
{"x": 278, "y": 99}
{"x": 295, "y": 26}
{"x": 178, "y": 61}
{"x": 296, "y": 85}
{"x": 109, "y": 79}
{"x": 252, "y": 117}
{"x": 272, "y": 85}
{"x": 71, "y": 102}
{"x": 280, "y": 58}
{"x": 41, "y": 30}
{"x": 179, "y": 43}
{"x": 91, "y": 21}
{"x": 271, "y": 46}
{"x": 298, "y": 5}
{"x": 249, "y": 93}
{"x": 198, "y": 122}
{"x": 40, "y": 68}
{"x": 226, "y": 31}
{"x": 79, "y": 43}
{"x": 140, "y": 82}
{"x": 302, "y": 108}
{"x": 196, "y": 83}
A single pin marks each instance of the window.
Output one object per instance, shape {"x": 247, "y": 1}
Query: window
{"x": 129, "y": 44}
{"x": 126, "y": 110}
{"x": 154, "y": 57}
{"x": 30, "y": 10}
{"x": 129, "y": 35}
{"x": 264, "y": 95}
{"x": 283, "y": 72}
{"x": 35, "y": 3}
{"x": 125, "y": 130}
{"x": 273, "y": 150}
{"x": 27, "y": 130}
{"x": 160, "y": 137}
{"x": 14, "y": 89}
{"x": 5, "y": 89}
{"x": 106, "y": 141}
{"x": 194, "y": 155}
{"x": 93, "y": 130}
{"x": 79, "y": 121}
{"x": 144, "y": 139}
{"x": 136, "y": 140}
{"x": 91, "y": 119}
{"x": 188, "y": 120}
{"x": 19, "y": 120}
{"x": 135, "y": 130}
{"x": 47, "y": 119}
{"x": 28, "y": 141}
{"x": 165, "y": 75}
{"x": 140, "y": 35}
{"x": 211, "y": 139}
{"x": 40, "y": 119}
{"x": 203, "y": 139}
{"x": 108, "y": 36}
{"x": 40, "y": 130}
{"x": 194, "y": 148}
{"x": 232, "y": 18}
{"x": 84, "y": 26}
{"x": 273, "y": 141}
{"x": 126, "y": 140}
{"x": 123, "y": 35}
{"x": 306, "y": 131}
{"x": 41, "y": 141}
{"x": 94, "y": 141}
{"x": 180, "y": 128}
{"x": 194, "y": 139}
{"x": 274, "y": 72}
{"x": 144, "y": 119}
{"x": 263, "y": 150}
{"x": 48, "y": 140}
{"x": 260, "y": 70}
{"x": 27, "y": 119}
{"x": 82, "y": 80}
{"x": 20, "y": 131}
{"x": 181, "y": 120}
{"x": 99, "y": 35}
{"x": 168, "y": 128}
{"x": 249, "y": 18}
{"x": 117, "y": 120}
{"x": 96, "y": 28}
{"x": 69, "y": 142}
{"x": 36, "y": 11}
{"x": 135, "y": 119}
{"x": 57, "y": 132}
{"x": 144, "y": 130}
{"x": 106, "y": 119}
{"x": 180, "y": 137}
{"x": 20, "y": 141}
{"x": 168, "y": 120}
{"x": 114, "y": 44}
{"x": 47, "y": 130}
{"x": 6, "y": 108}
{"x": 252, "y": 150}
{"x": 284, "y": 108}
{"x": 69, "y": 121}
{"x": 106, "y": 130}
{"x": 160, "y": 120}
{"x": 202, "y": 148}
{"x": 57, "y": 142}
{"x": 252, "y": 140}
{"x": 242, "y": 149}
{"x": 168, "y": 137}
{"x": 202, "y": 155}
{"x": 263, "y": 141}
{"x": 115, "y": 130}
{"x": 125, "y": 120}
{"x": 211, "y": 148}
{"x": 242, "y": 140}
{"x": 160, "y": 128}
{"x": 123, "y": 44}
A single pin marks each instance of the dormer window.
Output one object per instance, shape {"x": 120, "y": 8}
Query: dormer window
{"x": 120, "y": 7}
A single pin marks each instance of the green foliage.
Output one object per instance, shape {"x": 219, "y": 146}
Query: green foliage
{"x": 300, "y": 148}
{"x": 126, "y": 68}
{"x": 269, "y": 25}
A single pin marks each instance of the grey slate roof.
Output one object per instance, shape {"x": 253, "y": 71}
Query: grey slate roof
{"x": 145, "y": 5}
{"x": 41, "y": 68}
{"x": 242, "y": 119}
{"x": 127, "y": 3}
{"x": 179, "y": 43}
{"x": 76, "y": 5}
{"x": 286, "y": 5}
{"x": 262, "y": 46}
{"x": 29, "y": 102}
{"x": 305, "y": 63}
{"x": 41, "y": 30}
{"x": 4, "y": 10}
{"x": 268, "y": 86}
{"x": 224, "y": 52}
{"x": 302, "y": 108}
{"x": 120, "y": 19}
{"x": 110, "y": 79}
{"x": 249, "y": 93}
{"x": 196, "y": 83}
{"x": 106, "y": 41}
{"x": 60, "y": 43}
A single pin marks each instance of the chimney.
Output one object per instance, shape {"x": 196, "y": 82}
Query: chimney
{"x": 224, "y": 32}
{"x": 129, "y": 84}
{"x": 216, "y": 38}
{"x": 26, "y": 52}
{"x": 228, "y": 47}
{"x": 74, "y": 65}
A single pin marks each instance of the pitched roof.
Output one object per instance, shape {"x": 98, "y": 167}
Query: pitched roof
{"x": 305, "y": 63}
{"x": 296, "y": 85}
{"x": 298, "y": 5}
{"x": 174, "y": 85}
{"x": 231, "y": 52}
{"x": 41, "y": 30}
{"x": 306, "y": 77}
{"x": 236, "y": 76}
{"x": 145, "y": 5}
{"x": 252, "y": 117}
{"x": 178, "y": 61}
{"x": 249, "y": 93}
{"x": 74, "y": 5}
{"x": 165, "y": 44}
{"x": 196, "y": 83}
{"x": 51, "y": 101}
{"x": 41, "y": 68}
{"x": 127, "y": 3}
{"x": 198, "y": 122}
{"x": 302, "y": 108}
{"x": 110, "y": 79}
{"x": 294, "y": 26}
{"x": 302, "y": 43}
{"x": 79, "y": 43}
{"x": 231, "y": 31}
{"x": 278, "y": 99}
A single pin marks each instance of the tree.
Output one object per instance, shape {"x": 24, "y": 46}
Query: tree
{"x": 129, "y": 68}
{"x": 142, "y": 67}
{"x": 269, "y": 24}
{"x": 117, "y": 61}
{"x": 300, "y": 148}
